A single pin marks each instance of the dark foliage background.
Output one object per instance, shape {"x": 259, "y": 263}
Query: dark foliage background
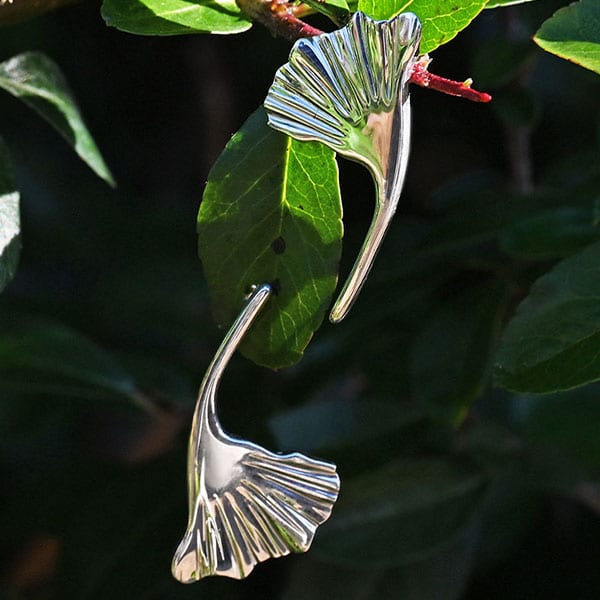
{"x": 467, "y": 491}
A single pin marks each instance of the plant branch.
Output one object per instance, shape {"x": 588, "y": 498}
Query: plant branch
{"x": 281, "y": 18}
{"x": 421, "y": 76}
{"x": 518, "y": 136}
{"x": 13, "y": 11}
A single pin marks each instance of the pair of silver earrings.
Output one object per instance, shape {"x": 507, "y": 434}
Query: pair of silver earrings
{"x": 348, "y": 90}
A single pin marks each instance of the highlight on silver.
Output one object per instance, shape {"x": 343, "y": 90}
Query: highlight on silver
{"x": 246, "y": 504}
{"x": 349, "y": 90}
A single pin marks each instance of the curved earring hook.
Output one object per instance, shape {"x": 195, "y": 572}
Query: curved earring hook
{"x": 349, "y": 90}
{"x": 246, "y": 504}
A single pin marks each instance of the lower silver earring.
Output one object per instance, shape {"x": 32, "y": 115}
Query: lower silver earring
{"x": 246, "y": 504}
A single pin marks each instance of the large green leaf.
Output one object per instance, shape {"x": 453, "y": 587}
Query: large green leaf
{"x": 338, "y": 422}
{"x": 553, "y": 342}
{"x": 452, "y": 355}
{"x": 567, "y": 421}
{"x": 38, "y": 81}
{"x": 42, "y": 357}
{"x": 441, "y": 19}
{"x": 271, "y": 213}
{"x": 573, "y": 32}
{"x": 552, "y": 233}
{"x": 173, "y": 17}
{"x": 499, "y": 61}
{"x": 441, "y": 576}
{"x": 10, "y": 225}
{"x": 402, "y": 512}
{"x": 358, "y": 434}
{"x": 512, "y": 507}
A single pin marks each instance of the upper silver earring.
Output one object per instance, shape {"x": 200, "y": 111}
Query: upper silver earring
{"x": 246, "y": 504}
{"x": 349, "y": 90}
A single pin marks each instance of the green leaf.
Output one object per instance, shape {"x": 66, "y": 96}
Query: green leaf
{"x": 567, "y": 421}
{"x": 441, "y": 19}
{"x": 111, "y": 515}
{"x": 517, "y": 107}
{"x": 553, "y": 342}
{"x": 10, "y": 225}
{"x": 271, "y": 213}
{"x": 38, "y": 81}
{"x": 502, "y": 3}
{"x": 452, "y": 356}
{"x": 400, "y": 513}
{"x": 337, "y": 422}
{"x": 551, "y": 234}
{"x": 337, "y": 10}
{"x": 573, "y": 32}
{"x": 499, "y": 61}
{"x": 40, "y": 357}
{"x": 442, "y": 576}
{"x": 174, "y": 17}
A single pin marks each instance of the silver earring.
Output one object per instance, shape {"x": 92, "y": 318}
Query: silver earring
{"x": 349, "y": 90}
{"x": 246, "y": 504}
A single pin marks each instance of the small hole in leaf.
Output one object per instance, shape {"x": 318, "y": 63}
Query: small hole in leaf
{"x": 278, "y": 245}
{"x": 275, "y": 286}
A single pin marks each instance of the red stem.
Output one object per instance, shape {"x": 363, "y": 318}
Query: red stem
{"x": 279, "y": 16}
{"x": 421, "y": 76}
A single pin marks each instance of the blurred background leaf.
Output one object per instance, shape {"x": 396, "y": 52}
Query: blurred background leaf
{"x": 400, "y": 513}
{"x": 10, "y": 220}
{"x": 451, "y": 356}
{"x": 553, "y": 341}
{"x": 38, "y": 357}
{"x": 457, "y": 489}
{"x": 13, "y": 12}
{"x": 38, "y": 81}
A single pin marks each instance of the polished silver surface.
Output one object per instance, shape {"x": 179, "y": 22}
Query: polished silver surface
{"x": 349, "y": 90}
{"x": 246, "y": 504}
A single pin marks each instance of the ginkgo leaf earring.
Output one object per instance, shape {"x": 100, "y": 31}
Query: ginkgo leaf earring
{"x": 246, "y": 504}
{"x": 349, "y": 90}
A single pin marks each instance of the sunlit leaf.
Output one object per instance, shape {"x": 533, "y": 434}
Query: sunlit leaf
{"x": 38, "y": 81}
{"x": 441, "y": 19}
{"x": 573, "y": 32}
{"x": 271, "y": 213}
{"x": 173, "y": 17}
{"x": 553, "y": 341}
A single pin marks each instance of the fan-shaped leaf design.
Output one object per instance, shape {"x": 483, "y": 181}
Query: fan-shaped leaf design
{"x": 349, "y": 90}
{"x": 246, "y": 504}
